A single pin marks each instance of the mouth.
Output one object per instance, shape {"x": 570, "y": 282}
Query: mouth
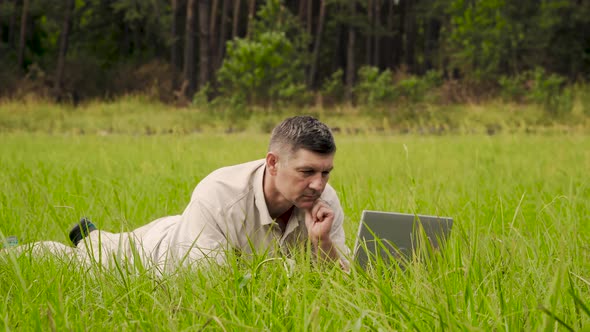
{"x": 310, "y": 197}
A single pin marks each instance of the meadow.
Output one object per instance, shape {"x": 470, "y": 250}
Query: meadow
{"x": 518, "y": 257}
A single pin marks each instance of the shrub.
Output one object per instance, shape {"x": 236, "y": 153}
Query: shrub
{"x": 512, "y": 88}
{"x": 538, "y": 87}
{"x": 374, "y": 88}
{"x": 547, "y": 90}
{"x": 268, "y": 67}
{"x": 417, "y": 88}
{"x": 333, "y": 87}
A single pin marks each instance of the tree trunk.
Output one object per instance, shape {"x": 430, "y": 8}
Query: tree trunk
{"x": 1, "y": 25}
{"x": 377, "y": 38}
{"x": 12, "y": 24}
{"x": 309, "y": 19}
{"x": 410, "y": 40}
{"x": 369, "y": 33}
{"x": 213, "y": 23}
{"x": 302, "y": 10}
{"x": 23, "y": 34}
{"x": 389, "y": 39}
{"x": 174, "y": 48}
{"x": 63, "y": 47}
{"x": 398, "y": 39}
{"x": 350, "y": 65}
{"x": 204, "y": 43}
{"x": 236, "y": 19}
{"x": 251, "y": 13}
{"x": 222, "y": 34}
{"x": 431, "y": 44}
{"x": 189, "y": 51}
{"x": 316, "y": 47}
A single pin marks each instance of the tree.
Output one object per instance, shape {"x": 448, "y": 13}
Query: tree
{"x": 23, "y": 34}
{"x": 188, "y": 86}
{"x": 63, "y": 46}
{"x": 222, "y": 34}
{"x": 175, "y": 39}
{"x": 251, "y": 12}
{"x": 204, "y": 43}
{"x": 410, "y": 34}
{"x": 236, "y": 19}
{"x": 350, "y": 65}
{"x": 1, "y": 22}
{"x": 316, "y": 47}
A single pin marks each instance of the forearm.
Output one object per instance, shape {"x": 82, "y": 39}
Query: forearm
{"x": 327, "y": 251}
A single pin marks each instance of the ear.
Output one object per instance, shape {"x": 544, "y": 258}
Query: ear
{"x": 272, "y": 163}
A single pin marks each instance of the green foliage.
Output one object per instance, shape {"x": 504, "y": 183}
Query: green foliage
{"x": 333, "y": 87}
{"x": 374, "y": 88}
{"x": 478, "y": 37}
{"x": 513, "y": 88}
{"x": 536, "y": 86}
{"x": 265, "y": 68}
{"x": 268, "y": 67}
{"x": 489, "y": 38}
{"x": 547, "y": 90}
{"x": 417, "y": 89}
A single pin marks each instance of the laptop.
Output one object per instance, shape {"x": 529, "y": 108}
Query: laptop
{"x": 386, "y": 236}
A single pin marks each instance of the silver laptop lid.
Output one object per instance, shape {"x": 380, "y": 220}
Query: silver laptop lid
{"x": 391, "y": 234}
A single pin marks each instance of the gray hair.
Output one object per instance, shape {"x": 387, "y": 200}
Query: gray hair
{"x": 302, "y": 132}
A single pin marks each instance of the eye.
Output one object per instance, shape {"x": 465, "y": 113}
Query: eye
{"x": 326, "y": 173}
{"x": 308, "y": 172}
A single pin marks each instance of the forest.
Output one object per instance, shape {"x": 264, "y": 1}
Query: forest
{"x": 293, "y": 51}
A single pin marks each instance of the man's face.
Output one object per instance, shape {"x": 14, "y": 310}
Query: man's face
{"x": 302, "y": 176}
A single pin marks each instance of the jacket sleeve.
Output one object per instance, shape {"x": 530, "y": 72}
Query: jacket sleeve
{"x": 198, "y": 237}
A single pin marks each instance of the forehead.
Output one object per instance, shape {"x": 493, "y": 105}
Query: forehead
{"x": 306, "y": 158}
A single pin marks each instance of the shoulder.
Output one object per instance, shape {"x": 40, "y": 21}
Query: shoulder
{"x": 330, "y": 196}
{"x": 236, "y": 172}
{"x": 228, "y": 184}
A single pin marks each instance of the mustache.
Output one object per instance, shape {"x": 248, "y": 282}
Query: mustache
{"x": 314, "y": 194}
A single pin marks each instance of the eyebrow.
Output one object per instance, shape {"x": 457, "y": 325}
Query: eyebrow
{"x": 302, "y": 168}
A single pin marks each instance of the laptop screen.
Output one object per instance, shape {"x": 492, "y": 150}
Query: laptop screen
{"x": 383, "y": 236}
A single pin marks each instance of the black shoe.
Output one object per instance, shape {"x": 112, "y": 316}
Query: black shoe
{"x": 81, "y": 230}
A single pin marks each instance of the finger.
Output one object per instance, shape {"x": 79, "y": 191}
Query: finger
{"x": 323, "y": 213}
{"x": 319, "y": 203}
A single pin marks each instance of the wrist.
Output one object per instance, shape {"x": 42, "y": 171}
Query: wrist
{"x": 321, "y": 240}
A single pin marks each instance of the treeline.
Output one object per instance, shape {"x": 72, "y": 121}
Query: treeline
{"x": 260, "y": 51}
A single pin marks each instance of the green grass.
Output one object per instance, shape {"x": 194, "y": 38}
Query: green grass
{"x": 518, "y": 257}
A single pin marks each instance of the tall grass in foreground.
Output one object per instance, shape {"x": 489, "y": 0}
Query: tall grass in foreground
{"x": 517, "y": 259}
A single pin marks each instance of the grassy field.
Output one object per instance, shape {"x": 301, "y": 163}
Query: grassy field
{"x": 137, "y": 115}
{"x": 518, "y": 257}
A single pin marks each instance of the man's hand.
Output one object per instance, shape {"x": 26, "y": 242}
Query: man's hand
{"x": 318, "y": 221}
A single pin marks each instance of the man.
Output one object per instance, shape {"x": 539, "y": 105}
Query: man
{"x": 268, "y": 205}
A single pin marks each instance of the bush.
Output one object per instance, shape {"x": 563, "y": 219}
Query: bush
{"x": 333, "y": 87}
{"x": 416, "y": 89}
{"x": 512, "y": 88}
{"x": 547, "y": 90}
{"x": 262, "y": 69}
{"x": 374, "y": 88}
{"x": 538, "y": 87}
{"x": 268, "y": 67}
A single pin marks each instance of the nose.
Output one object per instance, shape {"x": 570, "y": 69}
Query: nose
{"x": 317, "y": 183}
